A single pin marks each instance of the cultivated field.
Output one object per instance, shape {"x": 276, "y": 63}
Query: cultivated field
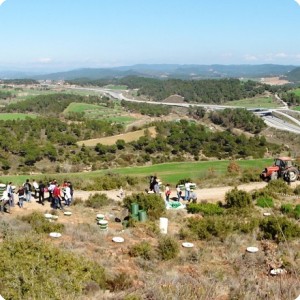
{"x": 15, "y": 116}
{"x": 263, "y": 102}
{"x": 93, "y": 111}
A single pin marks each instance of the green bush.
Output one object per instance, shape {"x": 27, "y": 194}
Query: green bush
{"x": 111, "y": 181}
{"x": 279, "y": 229}
{"x": 219, "y": 226}
{"x": 238, "y": 198}
{"x": 207, "y": 209}
{"x": 286, "y": 208}
{"x": 265, "y": 202}
{"x": 213, "y": 226}
{"x": 278, "y": 186}
{"x": 40, "y": 224}
{"x": 168, "y": 248}
{"x": 250, "y": 175}
{"x": 97, "y": 201}
{"x": 142, "y": 249}
{"x": 153, "y": 204}
{"x": 297, "y": 212}
{"x": 31, "y": 268}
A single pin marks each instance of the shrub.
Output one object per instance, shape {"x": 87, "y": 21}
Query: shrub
{"x": 233, "y": 167}
{"x": 142, "y": 249}
{"x": 34, "y": 269}
{"x": 206, "y": 228}
{"x": 97, "y": 201}
{"x": 297, "y": 190}
{"x": 250, "y": 175}
{"x": 237, "y": 198}
{"x": 40, "y": 224}
{"x": 111, "y": 181}
{"x": 184, "y": 180}
{"x": 278, "y": 186}
{"x": 265, "y": 202}
{"x": 168, "y": 248}
{"x": 120, "y": 282}
{"x": 297, "y": 212}
{"x": 205, "y": 208}
{"x": 279, "y": 229}
{"x": 153, "y": 204}
{"x": 286, "y": 208}
{"x": 220, "y": 226}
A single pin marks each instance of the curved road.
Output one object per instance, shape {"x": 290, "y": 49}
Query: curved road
{"x": 271, "y": 121}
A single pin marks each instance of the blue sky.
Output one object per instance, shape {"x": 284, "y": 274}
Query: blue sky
{"x": 67, "y": 34}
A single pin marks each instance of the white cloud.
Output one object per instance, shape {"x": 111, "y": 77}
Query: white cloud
{"x": 44, "y": 60}
{"x": 250, "y": 57}
{"x": 2, "y": 1}
{"x": 298, "y": 1}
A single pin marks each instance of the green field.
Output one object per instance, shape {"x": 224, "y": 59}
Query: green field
{"x": 169, "y": 172}
{"x": 263, "y": 102}
{"x": 15, "y": 116}
{"x": 116, "y": 87}
{"x": 297, "y": 92}
{"x": 94, "y": 111}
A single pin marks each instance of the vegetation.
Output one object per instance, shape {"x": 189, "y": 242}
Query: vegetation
{"x": 238, "y": 199}
{"x": 238, "y": 118}
{"x": 265, "y": 202}
{"x": 153, "y": 204}
{"x": 41, "y": 225}
{"x": 97, "y": 201}
{"x": 279, "y": 229}
{"x": 207, "y": 209}
{"x": 31, "y": 268}
{"x": 142, "y": 249}
{"x": 168, "y": 248}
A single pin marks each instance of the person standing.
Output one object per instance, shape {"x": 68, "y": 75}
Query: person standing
{"x": 21, "y": 195}
{"x": 167, "y": 192}
{"x": 57, "y": 197}
{"x": 187, "y": 187}
{"x": 35, "y": 187}
{"x": 41, "y": 192}
{"x": 10, "y": 194}
{"x": 67, "y": 195}
{"x": 27, "y": 190}
{"x": 178, "y": 191}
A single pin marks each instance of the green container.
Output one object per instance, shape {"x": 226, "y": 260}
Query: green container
{"x": 142, "y": 216}
{"x": 134, "y": 209}
{"x": 135, "y": 217}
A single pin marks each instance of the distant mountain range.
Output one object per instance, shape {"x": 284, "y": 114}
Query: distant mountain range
{"x": 167, "y": 71}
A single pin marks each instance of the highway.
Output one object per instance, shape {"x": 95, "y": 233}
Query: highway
{"x": 278, "y": 123}
{"x": 265, "y": 114}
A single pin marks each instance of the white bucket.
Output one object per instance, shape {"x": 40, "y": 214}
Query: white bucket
{"x": 103, "y": 224}
{"x": 163, "y": 225}
{"x": 100, "y": 217}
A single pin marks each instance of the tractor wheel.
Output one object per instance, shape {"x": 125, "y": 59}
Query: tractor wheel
{"x": 292, "y": 174}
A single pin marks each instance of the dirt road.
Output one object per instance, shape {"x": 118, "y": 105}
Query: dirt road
{"x": 209, "y": 194}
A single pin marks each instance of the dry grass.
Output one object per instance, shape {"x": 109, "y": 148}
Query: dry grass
{"x": 111, "y": 140}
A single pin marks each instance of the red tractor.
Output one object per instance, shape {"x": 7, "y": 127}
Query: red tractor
{"x": 282, "y": 168}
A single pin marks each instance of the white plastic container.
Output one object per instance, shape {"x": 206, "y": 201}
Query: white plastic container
{"x": 163, "y": 225}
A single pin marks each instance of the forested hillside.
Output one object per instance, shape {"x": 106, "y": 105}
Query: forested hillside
{"x": 197, "y": 91}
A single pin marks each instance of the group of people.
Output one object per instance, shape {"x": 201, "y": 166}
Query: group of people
{"x": 189, "y": 194}
{"x": 57, "y": 193}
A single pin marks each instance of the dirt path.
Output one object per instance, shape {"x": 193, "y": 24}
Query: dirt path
{"x": 208, "y": 194}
